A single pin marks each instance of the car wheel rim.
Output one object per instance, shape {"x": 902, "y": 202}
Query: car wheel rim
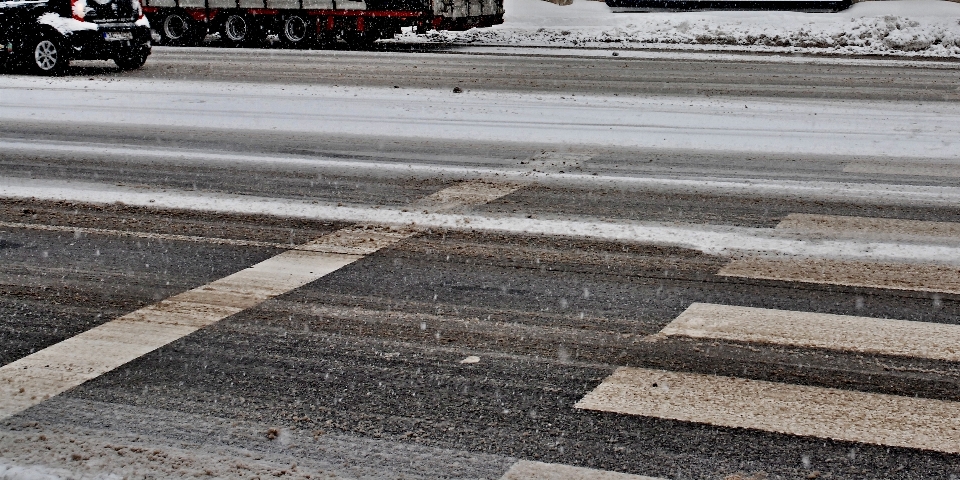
{"x": 236, "y": 28}
{"x": 174, "y": 27}
{"x": 46, "y": 55}
{"x": 295, "y": 29}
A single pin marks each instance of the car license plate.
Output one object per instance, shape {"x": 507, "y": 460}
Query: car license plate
{"x": 116, "y": 36}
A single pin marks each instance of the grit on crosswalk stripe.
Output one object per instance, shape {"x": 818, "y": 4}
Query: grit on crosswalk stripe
{"x": 55, "y": 369}
{"x": 465, "y": 194}
{"x": 894, "y": 276}
{"x": 845, "y": 415}
{"x": 923, "y": 277}
{"x": 887, "y": 228}
{"x": 920, "y": 169}
{"x": 818, "y": 330}
{"x": 527, "y": 470}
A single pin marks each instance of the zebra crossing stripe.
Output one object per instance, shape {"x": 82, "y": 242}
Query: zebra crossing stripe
{"x": 818, "y": 330}
{"x": 885, "y": 228}
{"x": 894, "y": 275}
{"x": 55, "y": 369}
{"x": 921, "y": 169}
{"x": 845, "y": 415}
{"x": 527, "y": 470}
{"x": 854, "y": 273}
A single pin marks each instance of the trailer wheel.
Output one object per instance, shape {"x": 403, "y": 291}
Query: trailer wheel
{"x": 179, "y": 29}
{"x": 239, "y": 30}
{"x": 297, "y": 31}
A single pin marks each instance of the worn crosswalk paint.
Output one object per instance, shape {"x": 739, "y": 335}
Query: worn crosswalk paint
{"x": 889, "y": 275}
{"x": 94, "y": 352}
{"x": 886, "y": 228}
{"x": 872, "y": 418}
{"x": 55, "y": 369}
{"x": 527, "y": 470}
{"x": 818, "y": 330}
{"x": 466, "y": 193}
{"x": 896, "y": 275}
{"x": 922, "y": 169}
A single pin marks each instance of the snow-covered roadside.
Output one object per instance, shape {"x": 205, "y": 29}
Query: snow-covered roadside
{"x": 928, "y": 130}
{"x": 906, "y": 27}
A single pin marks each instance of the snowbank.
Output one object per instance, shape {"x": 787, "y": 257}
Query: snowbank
{"x": 905, "y": 27}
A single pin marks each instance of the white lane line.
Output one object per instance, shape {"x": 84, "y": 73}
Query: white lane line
{"x": 527, "y": 470}
{"x": 916, "y": 169}
{"x": 818, "y": 330}
{"x": 887, "y": 228}
{"x": 55, "y": 369}
{"x": 776, "y": 407}
{"x": 875, "y": 193}
{"x": 916, "y": 277}
{"x": 709, "y": 239}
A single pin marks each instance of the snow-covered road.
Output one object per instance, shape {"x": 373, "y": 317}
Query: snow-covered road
{"x": 799, "y": 126}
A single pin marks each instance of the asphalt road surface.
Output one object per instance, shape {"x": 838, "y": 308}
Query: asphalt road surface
{"x": 191, "y": 290}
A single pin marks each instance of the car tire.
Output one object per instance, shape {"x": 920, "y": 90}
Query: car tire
{"x": 131, "y": 60}
{"x": 45, "y": 54}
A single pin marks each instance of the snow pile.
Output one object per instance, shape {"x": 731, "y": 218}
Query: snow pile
{"x": 905, "y": 27}
{"x": 65, "y": 25}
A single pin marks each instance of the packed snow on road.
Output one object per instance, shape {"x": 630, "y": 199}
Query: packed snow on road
{"x": 907, "y": 28}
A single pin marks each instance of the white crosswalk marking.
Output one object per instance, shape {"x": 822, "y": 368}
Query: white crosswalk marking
{"x": 818, "y": 330}
{"x": 775, "y": 407}
{"x": 923, "y": 169}
{"x": 923, "y": 277}
{"x": 894, "y": 276}
{"x": 803, "y": 410}
{"x": 886, "y": 228}
{"x": 527, "y": 470}
{"x": 55, "y": 369}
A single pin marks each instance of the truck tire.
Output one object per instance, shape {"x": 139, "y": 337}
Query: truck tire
{"x": 131, "y": 60}
{"x": 239, "y": 30}
{"x": 297, "y": 30}
{"x": 178, "y": 29}
{"x": 45, "y": 54}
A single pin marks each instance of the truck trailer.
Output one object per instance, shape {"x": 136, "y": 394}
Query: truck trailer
{"x": 304, "y": 22}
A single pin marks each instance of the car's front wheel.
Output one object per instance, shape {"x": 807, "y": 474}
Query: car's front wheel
{"x": 45, "y": 55}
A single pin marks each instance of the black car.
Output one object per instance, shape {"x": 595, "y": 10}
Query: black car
{"x": 43, "y": 36}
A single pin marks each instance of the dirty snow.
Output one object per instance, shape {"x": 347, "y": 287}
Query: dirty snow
{"x": 907, "y": 28}
{"x": 710, "y": 239}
